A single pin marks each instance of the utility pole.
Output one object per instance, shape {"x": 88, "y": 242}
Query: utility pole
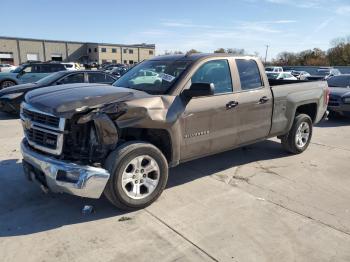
{"x": 267, "y": 49}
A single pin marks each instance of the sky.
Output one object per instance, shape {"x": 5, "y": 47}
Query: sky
{"x": 180, "y": 25}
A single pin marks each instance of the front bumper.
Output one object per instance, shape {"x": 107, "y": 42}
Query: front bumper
{"x": 56, "y": 175}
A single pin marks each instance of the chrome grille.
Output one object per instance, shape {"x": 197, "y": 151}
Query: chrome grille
{"x": 43, "y": 131}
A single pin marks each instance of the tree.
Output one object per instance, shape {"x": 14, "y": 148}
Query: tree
{"x": 192, "y": 51}
{"x": 220, "y": 51}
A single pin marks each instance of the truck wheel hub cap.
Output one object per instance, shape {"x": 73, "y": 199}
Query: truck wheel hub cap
{"x": 140, "y": 177}
{"x": 302, "y": 135}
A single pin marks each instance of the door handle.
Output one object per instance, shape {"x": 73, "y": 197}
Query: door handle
{"x": 263, "y": 100}
{"x": 231, "y": 104}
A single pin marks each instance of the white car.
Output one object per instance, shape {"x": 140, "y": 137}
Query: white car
{"x": 281, "y": 76}
{"x": 72, "y": 66}
{"x": 7, "y": 67}
{"x": 273, "y": 69}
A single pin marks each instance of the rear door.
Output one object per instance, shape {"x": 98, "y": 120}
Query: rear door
{"x": 210, "y": 123}
{"x": 255, "y": 102}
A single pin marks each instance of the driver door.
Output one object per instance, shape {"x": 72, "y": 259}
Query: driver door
{"x": 209, "y": 123}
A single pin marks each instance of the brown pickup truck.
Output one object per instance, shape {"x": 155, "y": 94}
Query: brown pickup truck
{"x": 89, "y": 139}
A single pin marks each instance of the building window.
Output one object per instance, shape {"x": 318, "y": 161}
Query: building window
{"x": 114, "y": 50}
{"x": 125, "y": 62}
{"x": 104, "y": 61}
{"x": 103, "y": 50}
{"x": 125, "y": 50}
{"x": 131, "y": 62}
{"x": 131, "y": 51}
{"x": 151, "y": 52}
{"x": 89, "y": 50}
{"x": 95, "y": 49}
{"x": 114, "y": 61}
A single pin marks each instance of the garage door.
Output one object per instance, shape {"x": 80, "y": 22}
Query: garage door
{"x": 33, "y": 57}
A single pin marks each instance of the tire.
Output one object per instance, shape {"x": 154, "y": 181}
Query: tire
{"x": 6, "y": 83}
{"x": 291, "y": 142}
{"x": 129, "y": 162}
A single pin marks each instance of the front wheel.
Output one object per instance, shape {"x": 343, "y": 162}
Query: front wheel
{"x": 6, "y": 83}
{"x": 139, "y": 173}
{"x": 298, "y": 138}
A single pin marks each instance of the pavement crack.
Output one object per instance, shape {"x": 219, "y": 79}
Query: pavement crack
{"x": 182, "y": 236}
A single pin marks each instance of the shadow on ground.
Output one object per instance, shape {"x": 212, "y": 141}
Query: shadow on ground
{"x": 6, "y": 116}
{"x": 24, "y": 209}
{"x": 334, "y": 122}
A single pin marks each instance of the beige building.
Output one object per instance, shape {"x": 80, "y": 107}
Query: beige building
{"x": 20, "y": 50}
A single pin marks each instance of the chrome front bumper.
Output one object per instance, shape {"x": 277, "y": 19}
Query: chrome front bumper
{"x": 84, "y": 181}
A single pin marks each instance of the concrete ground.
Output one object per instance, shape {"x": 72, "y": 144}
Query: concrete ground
{"x": 251, "y": 204}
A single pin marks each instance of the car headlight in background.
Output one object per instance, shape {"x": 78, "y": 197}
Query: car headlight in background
{"x": 346, "y": 100}
{"x": 11, "y": 96}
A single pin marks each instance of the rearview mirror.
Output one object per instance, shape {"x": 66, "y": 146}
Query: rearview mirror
{"x": 199, "y": 89}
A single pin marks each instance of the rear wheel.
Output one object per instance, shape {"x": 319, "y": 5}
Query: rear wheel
{"x": 7, "y": 83}
{"x": 139, "y": 173}
{"x": 298, "y": 138}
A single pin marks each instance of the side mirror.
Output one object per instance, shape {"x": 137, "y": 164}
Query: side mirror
{"x": 199, "y": 89}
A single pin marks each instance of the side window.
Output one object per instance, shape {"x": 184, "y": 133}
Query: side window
{"x": 99, "y": 78}
{"x": 216, "y": 72}
{"x": 71, "y": 79}
{"x": 249, "y": 74}
{"x": 28, "y": 69}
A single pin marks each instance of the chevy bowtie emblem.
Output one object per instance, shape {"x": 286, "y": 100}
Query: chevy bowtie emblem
{"x": 27, "y": 124}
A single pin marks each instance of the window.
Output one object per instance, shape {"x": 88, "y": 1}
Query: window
{"x": 114, "y": 50}
{"x": 151, "y": 52}
{"x": 131, "y": 62}
{"x": 103, "y": 50}
{"x": 216, "y": 72}
{"x": 125, "y": 50}
{"x": 27, "y": 69}
{"x": 71, "y": 79}
{"x": 114, "y": 61}
{"x": 48, "y": 68}
{"x": 339, "y": 81}
{"x": 131, "y": 51}
{"x": 89, "y": 50}
{"x": 95, "y": 49}
{"x": 104, "y": 61}
{"x": 100, "y": 78}
{"x": 249, "y": 74}
{"x": 125, "y": 62}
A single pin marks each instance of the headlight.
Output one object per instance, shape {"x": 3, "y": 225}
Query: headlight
{"x": 346, "y": 100}
{"x": 12, "y": 96}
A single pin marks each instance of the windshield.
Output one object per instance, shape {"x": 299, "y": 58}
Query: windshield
{"x": 49, "y": 79}
{"x": 323, "y": 72}
{"x": 17, "y": 70}
{"x": 268, "y": 69}
{"x": 273, "y": 75}
{"x": 153, "y": 77}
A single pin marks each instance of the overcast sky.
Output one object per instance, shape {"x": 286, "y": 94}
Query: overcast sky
{"x": 291, "y": 25}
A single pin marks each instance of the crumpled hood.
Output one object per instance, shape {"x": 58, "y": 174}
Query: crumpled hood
{"x": 64, "y": 100}
{"x": 18, "y": 89}
{"x": 339, "y": 91}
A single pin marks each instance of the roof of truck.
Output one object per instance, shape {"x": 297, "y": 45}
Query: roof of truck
{"x": 192, "y": 57}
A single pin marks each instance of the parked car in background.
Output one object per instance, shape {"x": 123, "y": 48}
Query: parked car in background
{"x": 323, "y": 73}
{"x": 11, "y": 97}
{"x": 339, "y": 97}
{"x": 118, "y": 71}
{"x": 281, "y": 76}
{"x": 28, "y": 73}
{"x": 72, "y": 66}
{"x": 7, "y": 67}
{"x": 273, "y": 69}
{"x": 108, "y": 67}
{"x": 301, "y": 75}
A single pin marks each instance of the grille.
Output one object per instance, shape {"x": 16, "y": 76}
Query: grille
{"x": 40, "y": 118}
{"x": 42, "y": 130}
{"x": 42, "y": 138}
